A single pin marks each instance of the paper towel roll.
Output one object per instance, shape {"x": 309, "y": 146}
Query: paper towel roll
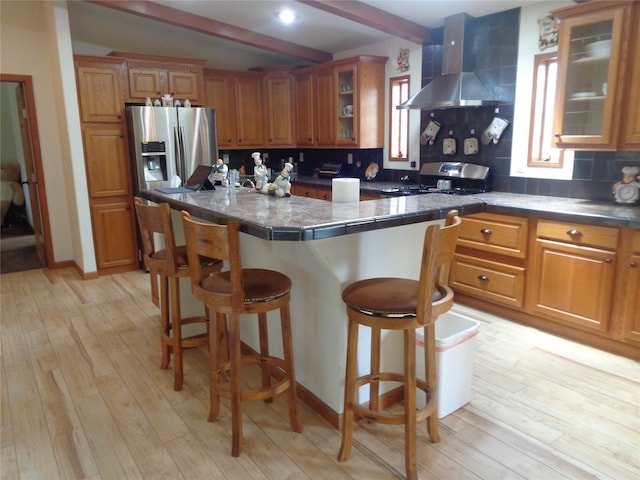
{"x": 345, "y": 190}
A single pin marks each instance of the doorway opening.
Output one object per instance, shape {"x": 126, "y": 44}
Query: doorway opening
{"x": 25, "y": 237}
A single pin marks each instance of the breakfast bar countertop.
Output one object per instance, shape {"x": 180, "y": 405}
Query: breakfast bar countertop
{"x": 299, "y": 218}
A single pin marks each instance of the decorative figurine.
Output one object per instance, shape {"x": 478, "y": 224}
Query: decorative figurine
{"x": 260, "y": 173}
{"x": 627, "y": 190}
{"x": 220, "y": 173}
{"x": 283, "y": 186}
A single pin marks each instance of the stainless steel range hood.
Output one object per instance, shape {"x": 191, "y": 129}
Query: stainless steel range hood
{"x": 454, "y": 88}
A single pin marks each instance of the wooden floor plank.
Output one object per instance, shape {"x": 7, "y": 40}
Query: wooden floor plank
{"x": 82, "y": 396}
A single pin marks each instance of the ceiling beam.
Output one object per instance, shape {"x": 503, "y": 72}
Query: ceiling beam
{"x": 375, "y": 18}
{"x": 215, "y": 28}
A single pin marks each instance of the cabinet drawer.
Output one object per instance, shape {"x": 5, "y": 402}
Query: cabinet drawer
{"x": 578, "y": 234}
{"x": 491, "y": 281}
{"x": 501, "y": 234}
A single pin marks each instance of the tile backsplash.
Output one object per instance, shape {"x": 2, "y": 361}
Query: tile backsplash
{"x": 491, "y": 51}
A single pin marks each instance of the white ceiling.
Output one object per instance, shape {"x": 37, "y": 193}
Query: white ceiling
{"x": 98, "y": 30}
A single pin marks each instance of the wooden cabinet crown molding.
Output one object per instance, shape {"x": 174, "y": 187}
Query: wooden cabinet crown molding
{"x": 157, "y": 58}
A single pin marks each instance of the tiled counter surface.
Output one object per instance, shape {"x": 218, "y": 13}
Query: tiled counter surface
{"x": 558, "y": 208}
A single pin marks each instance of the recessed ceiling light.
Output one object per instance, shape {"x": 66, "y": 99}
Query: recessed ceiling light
{"x": 286, "y": 16}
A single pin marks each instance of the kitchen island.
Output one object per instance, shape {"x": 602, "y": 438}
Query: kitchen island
{"x": 322, "y": 246}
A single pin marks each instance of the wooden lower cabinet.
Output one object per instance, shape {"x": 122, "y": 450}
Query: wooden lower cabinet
{"x": 580, "y": 281}
{"x": 114, "y": 235}
{"x": 573, "y": 284}
{"x": 494, "y": 281}
{"x": 490, "y": 258}
{"x": 630, "y": 290}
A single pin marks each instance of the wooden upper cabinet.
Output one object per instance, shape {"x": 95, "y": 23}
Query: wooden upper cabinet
{"x": 595, "y": 42}
{"x": 324, "y": 107}
{"x": 341, "y": 104}
{"x": 154, "y": 76}
{"x": 279, "y": 107}
{"x": 249, "y": 109}
{"x": 100, "y": 93}
{"x": 631, "y": 130}
{"x": 239, "y": 102}
{"x": 304, "y": 109}
{"x": 219, "y": 91}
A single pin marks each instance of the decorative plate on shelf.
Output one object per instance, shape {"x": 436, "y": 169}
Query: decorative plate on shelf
{"x": 584, "y": 94}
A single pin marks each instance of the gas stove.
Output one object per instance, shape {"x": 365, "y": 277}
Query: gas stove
{"x": 452, "y": 178}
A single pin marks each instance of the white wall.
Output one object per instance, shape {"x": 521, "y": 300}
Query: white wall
{"x": 29, "y": 39}
{"x": 391, "y": 48}
{"x": 527, "y": 49}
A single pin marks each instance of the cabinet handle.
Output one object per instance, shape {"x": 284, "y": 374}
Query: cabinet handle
{"x": 608, "y": 260}
{"x": 307, "y": 194}
{"x": 484, "y": 278}
{"x": 486, "y": 231}
{"x": 574, "y": 233}
{"x": 325, "y": 196}
{"x": 633, "y": 264}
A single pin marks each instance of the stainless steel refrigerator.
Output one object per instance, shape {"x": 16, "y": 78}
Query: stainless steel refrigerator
{"x": 168, "y": 143}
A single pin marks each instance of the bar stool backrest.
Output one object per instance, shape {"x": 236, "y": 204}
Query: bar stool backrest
{"x": 156, "y": 219}
{"x": 435, "y": 296}
{"x": 220, "y": 242}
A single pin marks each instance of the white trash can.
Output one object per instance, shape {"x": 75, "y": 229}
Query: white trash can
{"x": 456, "y": 337}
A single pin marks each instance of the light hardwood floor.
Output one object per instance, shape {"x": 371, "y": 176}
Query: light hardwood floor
{"x": 83, "y": 397}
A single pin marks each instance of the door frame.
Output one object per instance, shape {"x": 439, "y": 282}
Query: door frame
{"x": 39, "y": 193}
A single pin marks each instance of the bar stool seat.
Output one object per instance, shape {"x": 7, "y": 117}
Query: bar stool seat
{"x": 229, "y": 294}
{"x": 405, "y": 305}
{"x": 167, "y": 264}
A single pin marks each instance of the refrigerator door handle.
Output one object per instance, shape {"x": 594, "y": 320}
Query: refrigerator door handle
{"x": 183, "y": 155}
{"x": 177, "y": 150}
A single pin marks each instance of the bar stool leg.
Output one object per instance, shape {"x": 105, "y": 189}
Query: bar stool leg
{"x": 349, "y": 391}
{"x": 236, "y": 392}
{"x": 287, "y": 349}
{"x": 410, "y": 403}
{"x": 430, "y": 376}
{"x": 374, "y": 386}
{"x": 214, "y": 365}
{"x": 176, "y": 333}
{"x": 264, "y": 352}
{"x": 165, "y": 325}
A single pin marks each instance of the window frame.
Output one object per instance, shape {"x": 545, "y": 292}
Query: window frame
{"x": 399, "y": 132}
{"x": 545, "y": 114}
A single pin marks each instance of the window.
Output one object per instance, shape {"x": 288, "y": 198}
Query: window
{"x": 399, "y": 119}
{"x": 542, "y": 152}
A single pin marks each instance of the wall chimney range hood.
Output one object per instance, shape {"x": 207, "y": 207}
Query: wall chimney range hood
{"x": 454, "y": 88}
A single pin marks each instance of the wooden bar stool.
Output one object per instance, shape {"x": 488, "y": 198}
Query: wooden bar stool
{"x": 400, "y": 304}
{"x": 231, "y": 293}
{"x": 168, "y": 263}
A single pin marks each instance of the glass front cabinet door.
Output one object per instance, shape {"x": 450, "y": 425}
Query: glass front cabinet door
{"x": 589, "y": 76}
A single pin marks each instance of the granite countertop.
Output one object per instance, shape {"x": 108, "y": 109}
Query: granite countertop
{"x": 559, "y": 208}
{"x": 299, "y": 218}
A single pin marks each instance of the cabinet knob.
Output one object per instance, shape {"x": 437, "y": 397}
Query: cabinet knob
{"x": 633, "y": 264}
{"x": 608, "y": 260}
{"x": 307, "y": 194}
{"x": 574, "y": 233}
{"x": 484, "y": 278}
{"x": 239, "y": 140}
{"x": 486, "y": 231}
{"x": 325, "y": 196}
{"x": 557, "y": 135}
